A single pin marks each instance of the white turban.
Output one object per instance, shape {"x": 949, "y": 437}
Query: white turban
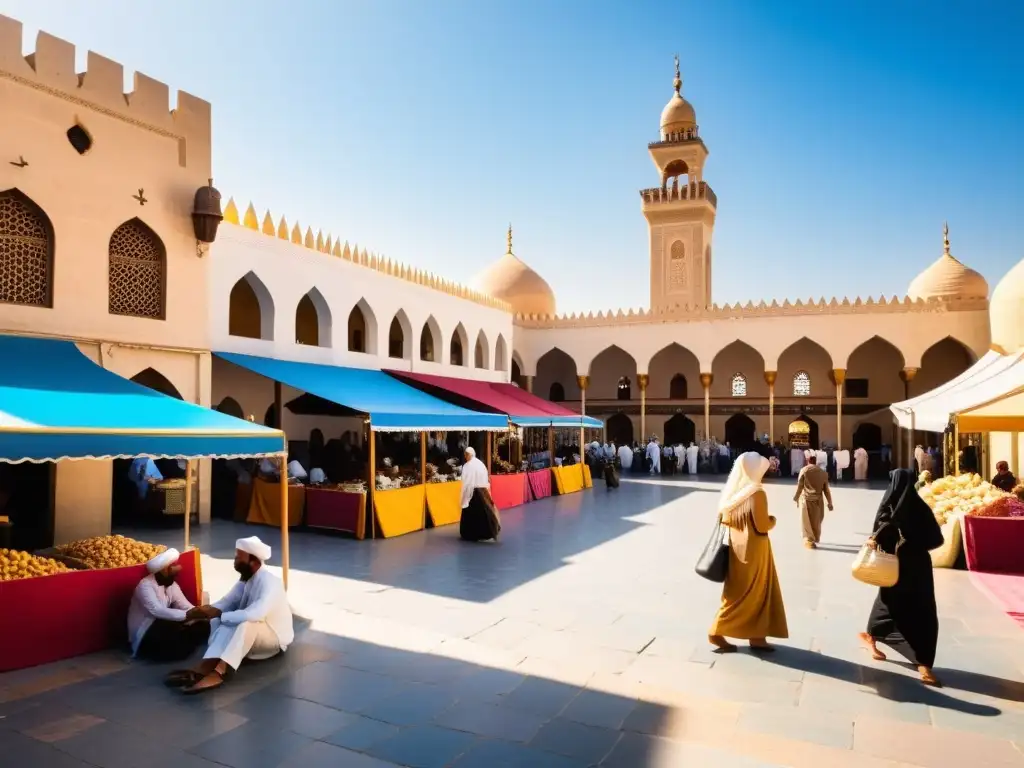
{"x": 295, "y": 470}
{"x": 254, "y": 547}
{"x": 161, "y": 561}
{"x": 471, "y": 451}
{"x": 317, "y": 476}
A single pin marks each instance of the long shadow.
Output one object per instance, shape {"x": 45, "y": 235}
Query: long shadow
{"x": 333, "y": 700}
{"x": 536, "y": 539}
{"x": 901, "y": 688}
{"x": 846, "y": 548}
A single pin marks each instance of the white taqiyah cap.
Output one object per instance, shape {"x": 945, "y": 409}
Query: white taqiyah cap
{"x": 254, "y": 547}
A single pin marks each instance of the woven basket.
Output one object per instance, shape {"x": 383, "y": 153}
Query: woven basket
{"x": 877, "y": 568}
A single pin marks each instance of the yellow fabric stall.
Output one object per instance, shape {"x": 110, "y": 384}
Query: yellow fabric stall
{"x": 399, "y": 511}
{"x": 568, "y": 479}
{"x": 444, "y": 502}
{"x": 588, "y": 479}
{"x": 1004, "y": 414}
{"x": 265, "y": 505}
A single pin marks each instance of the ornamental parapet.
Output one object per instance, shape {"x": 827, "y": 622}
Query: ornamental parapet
{"x": 331, "y": 246}
{"x": 799, "y": 308}
{"x": 681, "y": 193}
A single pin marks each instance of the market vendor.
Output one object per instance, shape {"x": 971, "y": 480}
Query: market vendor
{"x": 157, "y": 625}
{"x": 253, "y": 621}
{"x": 1004, "y": 479}
{"x": 144, "y": 473}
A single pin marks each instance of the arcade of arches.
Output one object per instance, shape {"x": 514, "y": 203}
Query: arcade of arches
{"x": 805, "y": 398}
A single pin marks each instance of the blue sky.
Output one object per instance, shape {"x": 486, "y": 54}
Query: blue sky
{"x": 842, "y": 133}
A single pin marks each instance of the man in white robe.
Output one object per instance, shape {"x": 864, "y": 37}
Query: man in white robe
{"x": 157, "y": 629}
{"x": 625, "y": 457}
{"x": 691, "y": 458}
{"x": 252, "y": 621}
{"x": 860, "y": 464}
{"x": 654, "y": 456}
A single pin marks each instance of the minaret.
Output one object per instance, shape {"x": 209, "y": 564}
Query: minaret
{"x": 680, "y": 212}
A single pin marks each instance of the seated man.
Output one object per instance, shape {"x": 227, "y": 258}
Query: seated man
{"x": 253, "y": 621}
{"x": 157, "y": 626}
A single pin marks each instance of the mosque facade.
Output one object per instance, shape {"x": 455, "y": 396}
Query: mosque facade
{"x": 99, "y": 244}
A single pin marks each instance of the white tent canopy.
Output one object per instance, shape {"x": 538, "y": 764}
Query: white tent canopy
{"x": 991, "y": 378}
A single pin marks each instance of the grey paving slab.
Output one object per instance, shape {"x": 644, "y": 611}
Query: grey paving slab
{"x": 584, "y": 742}
{"x": 425, "y": 746}
{"x": 253, "y": 745}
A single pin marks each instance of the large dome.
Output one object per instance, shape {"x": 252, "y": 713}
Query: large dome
{"x": 512, "y": 281}
{"x": 948, "y": 278}
{"x": 1006, "y": 311}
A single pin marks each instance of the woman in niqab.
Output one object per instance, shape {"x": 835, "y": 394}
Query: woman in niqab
{"x": 904, "y": 616}
{"x": 752, "y": 607}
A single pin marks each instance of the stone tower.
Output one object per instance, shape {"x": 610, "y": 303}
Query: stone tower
{"x": 680, "y": 212}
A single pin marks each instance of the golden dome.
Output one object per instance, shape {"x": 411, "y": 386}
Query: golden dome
{"x": 1006, "y": 311}
{"x": 948, "y": 278}
{"x": 678, "y": 114}
{"x": 510, "y": 280}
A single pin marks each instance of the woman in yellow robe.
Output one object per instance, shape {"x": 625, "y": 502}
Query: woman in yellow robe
{"x": 752, "y": 607}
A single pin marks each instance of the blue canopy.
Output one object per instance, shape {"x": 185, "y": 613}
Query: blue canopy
{"x": 55, "y": 403}
{"x": 391, "y": 405}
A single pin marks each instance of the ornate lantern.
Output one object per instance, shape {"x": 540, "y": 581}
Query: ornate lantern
{"x": 206, "y": 213}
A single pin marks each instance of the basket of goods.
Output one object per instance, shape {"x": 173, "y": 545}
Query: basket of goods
{"x": 950, "y": 499}
{"x": 15, "y": 565}
{"x": 100, "y": 552}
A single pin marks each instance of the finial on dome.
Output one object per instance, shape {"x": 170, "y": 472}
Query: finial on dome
{"x": 678, "y": 82}
{"x": 945, "y": 238}
{"x": 509, "y": 251}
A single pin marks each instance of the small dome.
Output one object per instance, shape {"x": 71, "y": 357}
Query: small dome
{"x": 948, "y": 278}
{"x": 678, "y": 114}
{"x": 1006, "y": 311}
{"x": 512, "y": 281}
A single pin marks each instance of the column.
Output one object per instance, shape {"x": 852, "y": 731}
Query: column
{"x": 529, "y": 383}
{"x": 642, "y": 380}
{"x": 839, "y": 376}
{"x": 705, "y": 381}
{"x": 907, "y": 375}
{"x": 584, "y": 382}
{"x": 769, "y": 377}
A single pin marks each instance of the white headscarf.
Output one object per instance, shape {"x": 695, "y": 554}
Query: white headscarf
{"x": 744, "y": 480}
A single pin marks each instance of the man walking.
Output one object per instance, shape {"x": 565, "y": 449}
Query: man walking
{"x": 812, "y": 492}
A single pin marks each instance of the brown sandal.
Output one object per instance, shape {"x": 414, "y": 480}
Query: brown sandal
{"x": 928, "y": 677}
{"x": 869, "y": 645}
{"x": 180, "y": 678}
{"x": 208, "y": 683}
{"x": 721, "y": 644}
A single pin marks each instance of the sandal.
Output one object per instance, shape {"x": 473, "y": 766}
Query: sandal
{"x": 180, "y": 678}
{"x": 721, "y": 644}
{"x": 928, "y": 677}
{"x": 869, "y": 645}
{"x": 208, "y": 683}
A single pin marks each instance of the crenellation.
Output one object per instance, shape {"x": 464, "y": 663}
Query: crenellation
{"x": 53, "y": 61}
{"x": 103, "y": 81}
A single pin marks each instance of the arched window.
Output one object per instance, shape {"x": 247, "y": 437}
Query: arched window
{"x": 677, "y": 387}
{"x": 801, "y": 384}
{"x": 739, "y": 385}
{"x": 677, "y": 264}
{"x": 356, "y": 330}
{"x": 26, "y": 252}
{"x": 557, "y": 393}
{"x": 624, "y": 388}
{"x": 396, "y": 339}
{"x": 456, "y": 351}
{"x": 427, "y": 343}
{"x": 136, "y": 271}
{"x": 251, "y": 309}
{"x": 307, "y": 323}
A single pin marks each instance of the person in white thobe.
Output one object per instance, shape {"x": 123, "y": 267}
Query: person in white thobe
{"x": 625, "y": 457}
{"x": 474, "y": 475}
{"x": 157, "y": 628}
{"x": 252, "y": 621}
{"x": 654, "y": 456}
{"x": 860, "y": 464}
{"x": 691, "y": 458}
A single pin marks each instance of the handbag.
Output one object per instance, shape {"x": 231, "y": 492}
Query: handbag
{"x": 713, "y": 564}
{"x": 875, "y": 567}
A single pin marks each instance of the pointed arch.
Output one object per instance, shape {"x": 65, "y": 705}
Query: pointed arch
{"x": 251, "y": 309}
{"x": 619, "y": 428}
{"x": 457, "y": 346}
{"x": 230, "y": 407}
{"x": 942, "y": 361}
{"x": 313, "y": 320}
{"x": 430, "y": 341}
{"x": 673, "y": 370}
{"x": 556, "y": 392}
{"x": 804, "y": 369}
{"x": 873, "y": 372}
{"x": 400, "y": 337}
{"x": 136, "y": 271}
{"x": 362, "y": 329}
{"x": 500, "y": 354}
{"x": 26, "y": 251}
{"x": 153, "y": 379}
{"x": 609, "y": 370}
{"x": 481, "y": 351}
{"x": 677, "y": 387}
{"x": 557, "y": 367}
{"x": 741, "y": 360}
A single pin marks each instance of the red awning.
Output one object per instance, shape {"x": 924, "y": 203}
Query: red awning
{"x": 522, "y": 408}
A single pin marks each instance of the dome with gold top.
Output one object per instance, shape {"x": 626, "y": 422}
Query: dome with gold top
{"x": 511, "y": 280}
{"x": 1006, "y": 311}
{"x": 947, "y": 277}
{"x": 678, "y": 115}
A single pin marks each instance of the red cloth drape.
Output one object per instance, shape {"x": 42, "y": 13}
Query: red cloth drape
{"x": 994, "y": 544}
{"x": 509, "y": 490}
{"x": 540, "y": 483}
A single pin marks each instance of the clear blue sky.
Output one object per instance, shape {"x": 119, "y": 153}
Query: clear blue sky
{"x": 842, "y": 133}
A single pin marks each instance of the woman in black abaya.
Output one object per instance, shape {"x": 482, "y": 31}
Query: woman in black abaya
{"x": 904, "y": 616}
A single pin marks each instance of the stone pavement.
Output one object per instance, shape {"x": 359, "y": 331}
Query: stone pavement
{"x": 578, "y": 640}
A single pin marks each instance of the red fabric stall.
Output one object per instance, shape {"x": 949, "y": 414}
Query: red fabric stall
{"x": 336, "y": 510}
{"x": 540, "y": 483}
{"x": 994, "y": 544}
{"x": 509, "y": 490}
{"x": 50, "y": 618}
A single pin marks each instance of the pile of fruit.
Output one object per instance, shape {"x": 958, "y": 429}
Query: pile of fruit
{"x": 959, "y": 495}
{"x": 16, "y": 565}
{"x": 1006, "y": 506}
{"x": 110, "y": 551}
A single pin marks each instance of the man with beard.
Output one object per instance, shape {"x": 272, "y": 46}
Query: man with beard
{"x": 253, "y": 621}
{"x": 157, "y": 625}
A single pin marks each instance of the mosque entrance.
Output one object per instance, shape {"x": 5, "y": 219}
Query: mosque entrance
{"x": 867, "y": 436}
{"x": 680, "y": 430}
{"x": 803, "y": 432}
{"x": 740, "y": 432}
{"x": 620, "y": 429}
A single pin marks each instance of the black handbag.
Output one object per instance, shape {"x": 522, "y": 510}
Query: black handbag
{"x": 713, "y": 564}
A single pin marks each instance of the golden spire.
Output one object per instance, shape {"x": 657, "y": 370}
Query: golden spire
{"x": 945, "y": 238}
{"x": 509, "y": 251}
{"x": 678, "y": 82}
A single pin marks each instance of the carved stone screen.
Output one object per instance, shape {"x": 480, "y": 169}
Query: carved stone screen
{"x": 677, "y": 265}
{"x": 136, "y": 277}
{"x": 26, "y": 251}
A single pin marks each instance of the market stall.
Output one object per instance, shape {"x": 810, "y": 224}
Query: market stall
{"x": 57, "y": 405}
{"x": 339, "y": 508}
{"x": 398, "y": 497}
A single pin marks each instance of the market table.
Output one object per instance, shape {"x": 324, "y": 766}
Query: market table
{"x": 265, "y": 504}
{"x": 400, "y": 510}
{"x": 509, "y": 490}
{"x": 994, "y": 544}
{"x": 336, "y": 510}
{"x": 444, "y": 502}
{"x": 71, "y": 614}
